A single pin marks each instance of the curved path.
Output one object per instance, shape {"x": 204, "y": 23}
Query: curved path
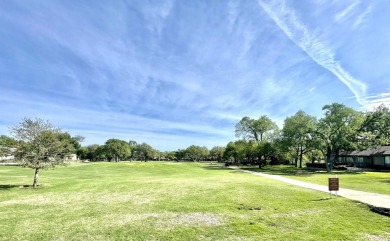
{"x": 374, "y": 199}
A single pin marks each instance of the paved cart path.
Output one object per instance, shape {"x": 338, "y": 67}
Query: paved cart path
{"x": 374, "y": 199}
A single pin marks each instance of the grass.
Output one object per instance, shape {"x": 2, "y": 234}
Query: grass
{"x": 173, "y": 201}
{"x": 377, "y": 182}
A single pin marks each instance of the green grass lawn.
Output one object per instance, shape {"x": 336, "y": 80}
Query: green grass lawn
{"x": 377, "y": 182}
{"x": 173, "y": 201}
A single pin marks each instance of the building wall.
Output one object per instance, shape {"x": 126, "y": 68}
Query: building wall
{"x": 379, "y": 161}
{"x": 387, "y": 161}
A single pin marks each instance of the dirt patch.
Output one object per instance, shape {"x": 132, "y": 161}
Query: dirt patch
{"x": 195, "y": 219}
{"x": 168, "y": 220}
{"x": 295, "y": 214}
{"x": 372, "y": 237}
{"x": 71, "y": 198}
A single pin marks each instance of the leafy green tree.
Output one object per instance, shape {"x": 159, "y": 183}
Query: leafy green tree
{"x": 258, "y": 130}
{"x": 298, "y": 135}
{"x": 74, "y": 140}
{"x": 6, "y": 143}
{"x": 216, "y": 153}
{"x": 339, "y": 130}
{"x": 117, "y": 150}
{"x": 40, "y": 145}
{"x": 180, "y": 154}
{"x": 100, "y": 153}
{"x": 82, "y": 153}
{"x": 144, "y": 152}
{"x": 375, "y": 129}
{"x": 262, "y": 130}
{"x": 236, "y": 151}
{"x": 170, "y": 155}
{"x": 196, "y": 153}
{"x": 92, "y": 152}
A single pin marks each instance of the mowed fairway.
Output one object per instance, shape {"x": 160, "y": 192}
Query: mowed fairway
{"x": 173, "y": 201}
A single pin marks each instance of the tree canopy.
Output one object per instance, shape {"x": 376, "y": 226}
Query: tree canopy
{"x": 40, "y": 145}
{"x": 297, "y": 134}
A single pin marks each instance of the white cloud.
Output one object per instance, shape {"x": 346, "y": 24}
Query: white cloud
{"x": 377, "y": 100}
{"x": 312, "y": 45}
{"x": 345, "y": 13}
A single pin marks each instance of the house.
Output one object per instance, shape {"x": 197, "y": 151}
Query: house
{"x": 371, "y": 158}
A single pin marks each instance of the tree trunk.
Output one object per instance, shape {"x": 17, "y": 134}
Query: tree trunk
{"x": 35, "y": 183}
{"x": 300, "y": 158}
{"x": 296, "y": 158}
{"x": 329, "y": 163}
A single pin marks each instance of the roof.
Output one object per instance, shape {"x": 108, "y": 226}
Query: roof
{"x": 378, "y": 151}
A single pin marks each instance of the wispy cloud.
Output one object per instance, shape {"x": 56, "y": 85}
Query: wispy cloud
{"x": 173, "y": 73}
{"x": 352, "y": 13}
{"x": 285, "y": 17}
{"x": 377, "y": 100}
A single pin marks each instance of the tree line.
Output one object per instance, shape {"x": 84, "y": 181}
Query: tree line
{"x": 38, "y": 144}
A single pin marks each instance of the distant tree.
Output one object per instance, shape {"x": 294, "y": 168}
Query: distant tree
{"x": 133, "y": 146}
{"x": 236, "y": 151}
{"x": 82, "y": 153}
{"x": 258, "y": 130}
{"x": 298, "y": 136}
{"x": 6, "y": 143}
{"x": 216, "y": 153}
{"x": 339, "y": 130}
{"x": 40, "y": 145}
{"x": 92, "y": 152}
{"x": 144, "y": 152}
{"x": 262, "y": 131}
{"x": 196, "y": 153}
{"x": 170, "y": 155}
{"x": 117, "y": 150}
{"x": 180, "y": 154}
{"x": 100, "y": 153}
{"x": 74, "y": 140}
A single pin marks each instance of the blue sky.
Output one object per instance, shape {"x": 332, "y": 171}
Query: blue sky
{"x": 176, "y": 73}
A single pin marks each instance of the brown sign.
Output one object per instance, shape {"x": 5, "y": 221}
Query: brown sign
{"x": 333, "y": 184}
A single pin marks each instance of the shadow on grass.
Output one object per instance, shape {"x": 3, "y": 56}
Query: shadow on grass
{"x": 294, "y": 171}
{"x": 321, "y": 199}
{"x": 386, "y": 181}
{"x": 6, "y": 187}
{"x": 10, "y": 186}
{"x": 215, "y": 167}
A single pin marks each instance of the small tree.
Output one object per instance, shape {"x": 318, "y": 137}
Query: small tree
{"x": 40, "y": 145}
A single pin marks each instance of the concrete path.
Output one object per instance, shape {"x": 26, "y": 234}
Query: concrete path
{"x": 374, "y": 199}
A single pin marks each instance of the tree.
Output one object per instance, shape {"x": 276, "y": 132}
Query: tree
{"x": 262, "y": 130}
{"x": 375, "y": 129}
{"x": 144, "y": 152}
{"x": 74, "y": 140}
{"x": 180, "y": 154}
{"x": 297, "y": 134}
{"x": 216, "y": 153}
{"x": 235, "y": 150}
{"x": 117, "y": 150}
{"x": 196, "y": 153}
{"x": 40, "y": 145}
{"x": 250, "y": 129}
{"x": 170, "y": 155}
{"x": 339, "y": 130}
{"x": 92, "y": 152}
{"x": 82, "y": 153}
{"x": 6, "y": 144}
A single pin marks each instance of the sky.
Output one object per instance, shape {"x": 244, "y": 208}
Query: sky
{"x": 180, "y": 73}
